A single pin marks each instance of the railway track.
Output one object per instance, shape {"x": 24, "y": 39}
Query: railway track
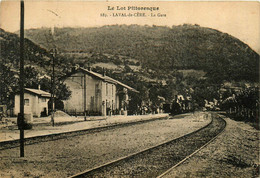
{"x": 45, "y": 138}
{"x": 159, "y": 160}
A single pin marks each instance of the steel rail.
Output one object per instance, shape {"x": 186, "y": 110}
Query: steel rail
{"x": 189, "y": 156}
{"x": 88, "y": 171}
{"x": 56, "y": 136}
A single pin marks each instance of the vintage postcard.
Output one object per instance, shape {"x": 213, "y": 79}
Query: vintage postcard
{"x": 129, "y": 88}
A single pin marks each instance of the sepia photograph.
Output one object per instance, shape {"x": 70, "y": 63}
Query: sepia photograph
{"x": 159, "y": 89}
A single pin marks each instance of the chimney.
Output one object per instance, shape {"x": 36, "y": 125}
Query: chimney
{"x": 39, "y": 87}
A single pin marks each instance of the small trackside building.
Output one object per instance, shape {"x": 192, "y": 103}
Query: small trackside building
{"x": 35, "y": 102}
{"x": 95, "y": 94}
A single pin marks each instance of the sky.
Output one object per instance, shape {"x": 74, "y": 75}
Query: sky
{"x": 239, "y": 19}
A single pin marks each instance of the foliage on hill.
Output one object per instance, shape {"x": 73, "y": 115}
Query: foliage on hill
{"x": 157, "y": 61}
{"x": 161, "y": 49}
{"x": 37, "y": 65}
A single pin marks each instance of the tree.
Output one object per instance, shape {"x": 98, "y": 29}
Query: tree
{"x": 31, "y": 77}
{"x": 243, "y": 105}
{"x": 8, "y": 85}
{"x": 204, "y": 90}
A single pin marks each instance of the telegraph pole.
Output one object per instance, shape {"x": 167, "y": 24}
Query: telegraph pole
{"x": 53, "y": 87}
{"x": 21, "y": 82}
{"x": 85, "y": 99}
{"x": 54, "y": 55}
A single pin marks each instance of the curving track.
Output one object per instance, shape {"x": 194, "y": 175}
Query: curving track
{"x": 156, "y": 161}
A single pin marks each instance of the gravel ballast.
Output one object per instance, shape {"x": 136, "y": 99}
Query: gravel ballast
{"x": 65, "y": 157}
{"x": 155, "y": 161}
{"x": 235, "y": 153}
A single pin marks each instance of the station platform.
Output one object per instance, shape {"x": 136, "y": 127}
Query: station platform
{"x": 42, "y": 126}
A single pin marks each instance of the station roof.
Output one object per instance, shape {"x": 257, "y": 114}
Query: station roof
{"x": 38, "y": 92}
{"x": 106, "y": 78}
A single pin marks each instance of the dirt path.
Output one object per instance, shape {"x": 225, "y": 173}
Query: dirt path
{"x": 235, "y": 153}
{"x": 69, "y": 156}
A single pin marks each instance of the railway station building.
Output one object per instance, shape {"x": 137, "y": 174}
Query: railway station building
{"x": 35, "y": 102}
{"x": 95, "y": 94}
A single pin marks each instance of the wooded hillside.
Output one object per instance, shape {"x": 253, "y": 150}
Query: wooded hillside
{"x": 157, "y": 61}
{"x": 161, "y": 49}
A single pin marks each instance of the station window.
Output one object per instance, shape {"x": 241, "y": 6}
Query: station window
{"x": 26, "y": 102}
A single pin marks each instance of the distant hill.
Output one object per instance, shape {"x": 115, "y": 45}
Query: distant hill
{"x": 35, "y": 55}
{"x": 37, "y": 68}
{"x": 157, "y": 61}
{"x": 10, "y": 52}
{"x": 160, "y": 49}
